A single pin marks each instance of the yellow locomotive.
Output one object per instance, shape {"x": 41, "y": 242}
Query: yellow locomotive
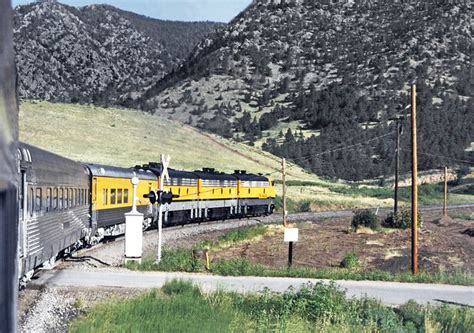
{"x": 199, "y": 195}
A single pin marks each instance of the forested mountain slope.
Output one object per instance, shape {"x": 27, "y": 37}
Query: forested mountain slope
{"x": 334, "y": 72}
{"x": 95, "y": 54}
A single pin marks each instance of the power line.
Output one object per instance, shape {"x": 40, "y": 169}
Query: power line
{"x": 444, "y": 157}
{"x": 311, "y": 156}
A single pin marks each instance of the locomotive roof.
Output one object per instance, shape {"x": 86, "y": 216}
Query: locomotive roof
{"x": 250, "y": 177}
{"x": 214, "y": 175}
{"x": 118, "y": 172}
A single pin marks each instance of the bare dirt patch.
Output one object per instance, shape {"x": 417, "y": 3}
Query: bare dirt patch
{"x": 324, "y": 244}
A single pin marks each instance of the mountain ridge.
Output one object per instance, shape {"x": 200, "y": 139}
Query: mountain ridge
{"x": 334, "y": 72}
{"x": 95, "y": 53}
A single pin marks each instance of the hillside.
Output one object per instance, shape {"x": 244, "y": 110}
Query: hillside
{"x": 130, "y": 137}
{"x": 334, "y": 72}
{"x": 95, "y": 53}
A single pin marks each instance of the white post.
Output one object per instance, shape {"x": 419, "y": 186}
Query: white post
{"x": 164, "y": 175}
{"x": 160, "y": 222}
{"x": 134, "y": 228}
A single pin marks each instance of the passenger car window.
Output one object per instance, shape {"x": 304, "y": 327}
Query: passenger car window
{"x": 55, "y": 199}
{"x": 125, "y": 196}
{"x": 113, "y": 196}
{"x": 61, "y": 198}
{"x": 49, "y": 199}
{"x": 104, "y": 197}
{"x": 119, "y": 196}
{"x": 38, "y": 199}
{"x": 31, "y": 203}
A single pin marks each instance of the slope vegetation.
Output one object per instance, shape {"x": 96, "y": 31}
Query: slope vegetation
{"x": 95, "y": 53}
{"x": 335, "y": 72}
{"x": 128, "y": 137}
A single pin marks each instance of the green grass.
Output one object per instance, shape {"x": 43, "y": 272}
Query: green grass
{"x": 180, "y": 260}
{"x": 243, "y": 267}
{"x": 469, "y": 216}
{"x": 180, "y": 306}
{"x": 312, "y": 195}
{"x": 234, "y": 237}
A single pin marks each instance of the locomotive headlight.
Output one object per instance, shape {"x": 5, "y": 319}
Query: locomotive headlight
{"x": 135, "y": 181}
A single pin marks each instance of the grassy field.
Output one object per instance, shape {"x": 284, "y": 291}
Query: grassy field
{"x": 180, "y": 260}
{"x": 129, "y": 137}
{"x": 181, "y": 307}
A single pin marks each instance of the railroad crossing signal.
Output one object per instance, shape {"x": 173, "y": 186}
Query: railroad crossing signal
{"x": 160, "y": 197}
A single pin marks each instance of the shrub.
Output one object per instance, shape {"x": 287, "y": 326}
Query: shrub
{"x": 350, "y": 261}
{"x": 402, "y": 220}
{"x": 412, "y": 312}
{"x": 305, "y": 206}
{"x": 180, "y": 287}
{"x": 365, "y": 218}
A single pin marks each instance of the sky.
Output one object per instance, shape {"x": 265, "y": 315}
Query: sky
{"x": 179, "y": 10}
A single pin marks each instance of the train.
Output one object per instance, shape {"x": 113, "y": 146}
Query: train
{"x": 65, "y": 205}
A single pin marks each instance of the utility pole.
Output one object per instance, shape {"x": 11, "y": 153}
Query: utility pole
{"x": 414, "y": 185}
{"x": 285, "y": 213}
{"x": 445, "y": 202}
{"x": 397, "y": 164}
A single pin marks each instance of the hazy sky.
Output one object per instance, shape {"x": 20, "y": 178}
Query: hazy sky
{"x": 182, "y": 10}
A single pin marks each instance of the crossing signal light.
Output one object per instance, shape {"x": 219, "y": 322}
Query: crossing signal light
{"x": 160, "y": 197}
